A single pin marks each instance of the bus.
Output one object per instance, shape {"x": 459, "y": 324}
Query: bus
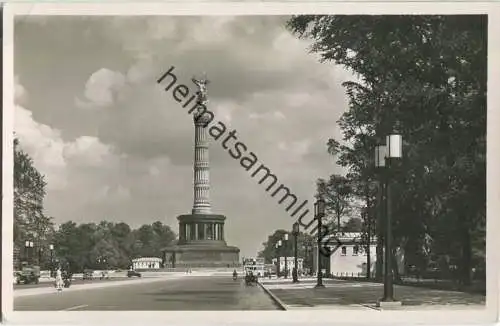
{"x": 256, "y": 266}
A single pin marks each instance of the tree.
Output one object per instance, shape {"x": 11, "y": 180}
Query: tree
{"x": 354, "y": 224}
{"x": 337, "y": 193}
{"x": 425, "y": 75}
{"x": 109, "y": 245}
{"x": 30, "y": 223}
{"x": 304, "y": 247}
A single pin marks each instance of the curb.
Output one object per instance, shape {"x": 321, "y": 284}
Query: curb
{"x": 277, "y": 300}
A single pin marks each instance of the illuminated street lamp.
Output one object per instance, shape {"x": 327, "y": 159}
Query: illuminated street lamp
{"x": 278, "y": 244}
{"x": 384, "y": 156}
{"x": 29, "y": 247}
{"x": 295, "y": 231}
{"x": 51, "y": 248}
{"x": 319, "y": 213}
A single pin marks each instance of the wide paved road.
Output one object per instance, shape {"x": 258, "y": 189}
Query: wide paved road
{"x": 187, "y": 293}
{"x": 73, "y": 282}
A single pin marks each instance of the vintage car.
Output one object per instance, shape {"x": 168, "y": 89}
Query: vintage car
{"x": 250, "y": 279}
{"x": 132, "y": 273}
{"x": 28, "y": 275}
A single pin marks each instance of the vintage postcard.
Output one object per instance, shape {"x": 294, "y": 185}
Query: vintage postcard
{"x": 250, "y": 163}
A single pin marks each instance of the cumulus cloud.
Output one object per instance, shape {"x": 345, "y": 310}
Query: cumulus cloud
{"x": 52, "y": 155}
{"x": 101, "y": 88}
{"x": 87, "y": 150}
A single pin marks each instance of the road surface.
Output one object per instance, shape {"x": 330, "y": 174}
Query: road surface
{"x": 78, "y": 281}
{"x": 186, "y": 293}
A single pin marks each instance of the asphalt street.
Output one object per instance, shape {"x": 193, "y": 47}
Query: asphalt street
{"x": 51, "y": 283}
{"x": 187, "y": 293}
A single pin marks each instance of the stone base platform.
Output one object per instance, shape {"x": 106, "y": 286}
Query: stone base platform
{"x": 201, "y": 255}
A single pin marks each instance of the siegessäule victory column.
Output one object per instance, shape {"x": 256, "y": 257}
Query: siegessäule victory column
{"x": 201, "y": 234}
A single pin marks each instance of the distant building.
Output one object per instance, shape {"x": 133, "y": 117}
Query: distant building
{"x": 146, "y": 263}
{"x": 290, "y": 264}
{"x": 350, "y": 259}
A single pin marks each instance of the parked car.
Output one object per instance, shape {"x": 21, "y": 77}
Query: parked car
{"x": 28, "y": 275}
{"x": 133, "y": 273}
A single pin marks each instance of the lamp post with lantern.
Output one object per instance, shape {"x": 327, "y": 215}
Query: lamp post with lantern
{"x": 285, "y": 247}
{"x": 29, "y": 247}
{"x": 295, "y": 273}
{"x": 319, "y": 213}
{"x": 278, "y": 263}
{"x": 380, "y": 151}
{"x": 51, "y": 248}
{"x": 384, "y": 157}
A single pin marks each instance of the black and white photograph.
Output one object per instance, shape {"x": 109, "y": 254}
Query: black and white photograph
{"x": 249, "y": 162}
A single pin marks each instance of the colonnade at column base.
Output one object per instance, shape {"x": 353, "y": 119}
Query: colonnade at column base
{"x": 201, "y": 243}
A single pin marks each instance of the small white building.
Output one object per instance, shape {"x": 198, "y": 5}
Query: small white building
{"x": 146, "y": 263}
{"x": 350, "y": 259}
{"x": 290, "y": 264}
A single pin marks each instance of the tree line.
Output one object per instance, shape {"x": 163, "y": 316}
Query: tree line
{"x": 77, "y": 246}
{"x": 425, "y": 78}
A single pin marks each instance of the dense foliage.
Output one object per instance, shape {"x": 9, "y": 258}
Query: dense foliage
{"x": 426, "y": 77}
{"x": 304, "y": 244}
{"x": 30, "y": 222}
{"x": 109, "y": 245}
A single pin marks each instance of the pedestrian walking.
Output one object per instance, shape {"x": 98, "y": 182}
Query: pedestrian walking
{"x": 59, "y": 280}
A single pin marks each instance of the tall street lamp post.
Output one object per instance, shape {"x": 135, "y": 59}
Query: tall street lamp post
{"x": 295, "y": 273}
{"x": 29, "y": 247}
{"x": 278, "y": 272}
{"x": 380, "y": 154}
{"x": 319, "y": 213}
{"x": 51, "y": 248}
{"x": 384, "y": 157}
{"x": 285, "y": 247}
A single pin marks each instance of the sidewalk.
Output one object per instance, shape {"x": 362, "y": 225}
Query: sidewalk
{"x": 89, "y": 286}
{"x": 341, "y": 294}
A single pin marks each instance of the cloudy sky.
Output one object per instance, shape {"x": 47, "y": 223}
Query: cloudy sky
{"x": 114, "y": 146}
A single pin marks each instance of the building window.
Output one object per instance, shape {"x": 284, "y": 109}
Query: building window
{"x": 344, "y": 251}
{"x": 355, "y": 250}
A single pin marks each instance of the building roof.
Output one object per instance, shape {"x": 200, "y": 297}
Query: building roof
{"x": 289, "y": 259}
{"x": 146, "y": 259}
{"x": 345, "y": 237}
